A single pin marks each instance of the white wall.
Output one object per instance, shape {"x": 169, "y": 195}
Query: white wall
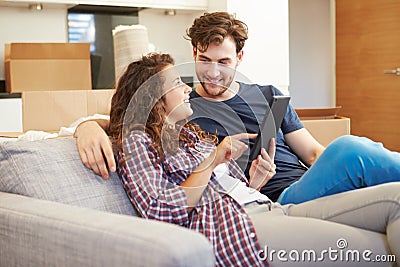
{"x": 18, "y": 24}
{"x": 291, "y": 45}
{"x": 312, "y": 53}
{"x": 266, "y": 53}
{"x": 10, "y": 115}
{"x": 167, "y": 32}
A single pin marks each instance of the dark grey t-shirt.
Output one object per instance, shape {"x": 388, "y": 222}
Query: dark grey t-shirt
{"x": 244, "y": 113}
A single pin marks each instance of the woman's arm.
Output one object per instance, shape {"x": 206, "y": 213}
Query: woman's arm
{"x": 196, "y": 182}
{"x": 146, "y": 182}
{"x": 155, "y": 196}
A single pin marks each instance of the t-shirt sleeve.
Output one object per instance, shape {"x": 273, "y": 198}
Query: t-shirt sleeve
{"x": 291, "y": 122}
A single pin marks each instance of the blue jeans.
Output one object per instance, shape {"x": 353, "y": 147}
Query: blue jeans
{"x": 348, "y": 163}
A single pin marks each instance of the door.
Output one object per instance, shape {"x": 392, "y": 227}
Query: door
{"x": 367, "y": 44}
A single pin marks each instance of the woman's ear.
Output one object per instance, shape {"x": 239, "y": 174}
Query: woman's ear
{"x": 194, "y": 50}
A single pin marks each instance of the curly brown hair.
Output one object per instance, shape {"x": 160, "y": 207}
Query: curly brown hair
{"x": 214, "y": 28}
{"x": 138, "y": 104}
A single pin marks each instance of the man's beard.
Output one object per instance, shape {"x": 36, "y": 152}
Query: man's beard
{"x": 222, "y": 89}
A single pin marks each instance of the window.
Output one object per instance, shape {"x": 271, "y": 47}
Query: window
{"x": 94, "y": 24}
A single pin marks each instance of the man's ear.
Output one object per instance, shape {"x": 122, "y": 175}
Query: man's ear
{"x": 240, "y": 57}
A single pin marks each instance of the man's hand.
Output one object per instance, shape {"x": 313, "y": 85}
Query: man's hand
{"x": 95, "y": 148}
{"x": 263, "y": 167}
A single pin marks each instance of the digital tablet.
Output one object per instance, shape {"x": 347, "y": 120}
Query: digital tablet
{"x": 270, "y": 125}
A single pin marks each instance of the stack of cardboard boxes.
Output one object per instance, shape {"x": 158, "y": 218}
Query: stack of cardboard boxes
{"x": 47, "y": 66}
{"x": 54, "y": 80}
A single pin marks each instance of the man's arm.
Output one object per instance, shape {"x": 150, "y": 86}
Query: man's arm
{"x": 94, "y": 146}
{"x": 304, "y": 146}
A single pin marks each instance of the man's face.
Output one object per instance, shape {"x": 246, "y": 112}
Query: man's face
{"x": 216, "y": 67}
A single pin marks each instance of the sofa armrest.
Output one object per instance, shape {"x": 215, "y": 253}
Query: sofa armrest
{"x": 37, "y": 232}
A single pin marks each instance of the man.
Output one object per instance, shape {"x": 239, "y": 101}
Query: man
{"x": 225, "y": 107}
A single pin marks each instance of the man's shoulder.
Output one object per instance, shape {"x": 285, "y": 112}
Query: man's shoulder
{"x": 263, "y": 88}
{"x": 256, "y": 92}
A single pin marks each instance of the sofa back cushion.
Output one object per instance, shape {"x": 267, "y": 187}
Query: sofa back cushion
{"x": 52, "y": 170}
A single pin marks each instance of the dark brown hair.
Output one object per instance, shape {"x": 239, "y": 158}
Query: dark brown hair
{"x": 137, "y": 104}
{"x": 214, "y": 28}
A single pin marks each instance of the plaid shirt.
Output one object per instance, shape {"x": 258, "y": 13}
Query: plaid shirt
{"x": 153, "y": 187}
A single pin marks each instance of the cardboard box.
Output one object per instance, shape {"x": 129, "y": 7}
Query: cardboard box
{"x": 50, "y": 110}
{"x": 47, "y": 66}
{"x": 9, "y": 135}
{"x": 324, "y": 124}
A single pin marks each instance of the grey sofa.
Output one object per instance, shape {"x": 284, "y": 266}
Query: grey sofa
{"x": 56, "y": 212}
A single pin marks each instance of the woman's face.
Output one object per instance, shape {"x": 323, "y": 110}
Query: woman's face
{"x": 176, "y": 96}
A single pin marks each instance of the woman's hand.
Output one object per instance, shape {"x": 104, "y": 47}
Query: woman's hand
{"x": 230, "y": 148}
{"x": 262, "y": 169}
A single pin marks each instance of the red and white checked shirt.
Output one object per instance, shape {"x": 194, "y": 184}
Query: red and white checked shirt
{"x": 153, "y": 187}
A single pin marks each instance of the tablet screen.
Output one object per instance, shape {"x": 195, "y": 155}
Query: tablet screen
{"x": 270, "y": 125}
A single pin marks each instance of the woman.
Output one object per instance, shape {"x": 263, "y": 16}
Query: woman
{"x": 173, "y": 172}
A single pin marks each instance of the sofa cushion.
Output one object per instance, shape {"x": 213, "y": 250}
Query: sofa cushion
{"x": 52, "y": 170}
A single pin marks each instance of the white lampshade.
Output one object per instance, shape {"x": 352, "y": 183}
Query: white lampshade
{"x": 130, "y": 44}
